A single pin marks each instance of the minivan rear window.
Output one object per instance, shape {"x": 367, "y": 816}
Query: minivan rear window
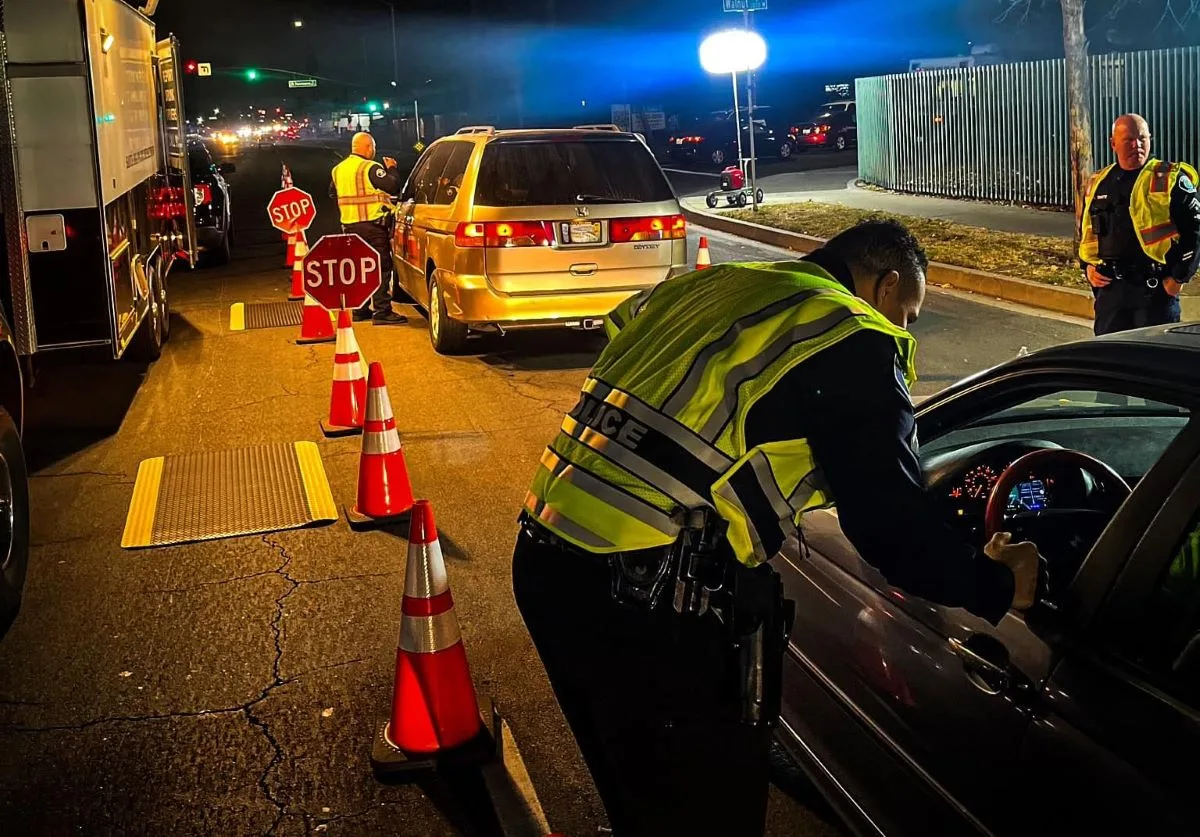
{"x": 555, "y": 173}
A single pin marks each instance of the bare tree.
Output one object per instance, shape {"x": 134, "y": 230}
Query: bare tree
{"x": 1179, "y": 13}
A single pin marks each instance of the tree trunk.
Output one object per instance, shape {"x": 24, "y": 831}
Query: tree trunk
{"x": 1078, "y": 104}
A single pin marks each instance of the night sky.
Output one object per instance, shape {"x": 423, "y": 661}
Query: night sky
{"x": 593, "y": 54}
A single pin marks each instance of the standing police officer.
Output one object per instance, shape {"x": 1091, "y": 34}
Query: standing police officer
{"x": 729, "y": 402}
{"x": 364, "y": 191}
{"x": 1141, "y": 233}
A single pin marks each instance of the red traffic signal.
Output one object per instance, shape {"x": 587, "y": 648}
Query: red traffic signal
{"x": 190, "y": 67}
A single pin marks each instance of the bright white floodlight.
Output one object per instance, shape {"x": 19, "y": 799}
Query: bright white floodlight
{"x": 733, "y": 51}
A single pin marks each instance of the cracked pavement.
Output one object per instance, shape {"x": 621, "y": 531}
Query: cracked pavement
{"x": 233, "y": 686}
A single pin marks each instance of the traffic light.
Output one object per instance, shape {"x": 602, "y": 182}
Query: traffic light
{"x": 190, "y": 67}
{"x": 373, "y": 107}
{"x": 251, "y": 75}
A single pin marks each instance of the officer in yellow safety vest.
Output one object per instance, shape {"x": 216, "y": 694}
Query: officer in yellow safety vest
{"x": 364, "y": 191}
{"x": 1140, "y": 235}
{"x": 728, "y": 402}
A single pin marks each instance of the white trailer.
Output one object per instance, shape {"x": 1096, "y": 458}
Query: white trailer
{"x": 95, "y": 207}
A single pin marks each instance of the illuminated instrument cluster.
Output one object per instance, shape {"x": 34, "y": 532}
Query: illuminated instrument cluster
{"x": 976, "y": 484}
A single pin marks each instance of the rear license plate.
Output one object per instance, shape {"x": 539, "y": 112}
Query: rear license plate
{"x": 584, "y": 232}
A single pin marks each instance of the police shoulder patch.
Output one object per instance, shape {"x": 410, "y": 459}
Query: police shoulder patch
{"x": 1186, "y": 184}
{"x": 379, "y": 172}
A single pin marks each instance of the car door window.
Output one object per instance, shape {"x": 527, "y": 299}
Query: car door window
{"x": 422, "y": 183}
{"x": 449, "y": 180}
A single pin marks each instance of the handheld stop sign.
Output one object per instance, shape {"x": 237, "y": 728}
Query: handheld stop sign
{"x": 342, "y": 271}
{"x": 291, "y": 210}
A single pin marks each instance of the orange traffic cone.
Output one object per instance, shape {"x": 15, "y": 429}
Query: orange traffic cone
{"x": 435, "y": 713}
{"x": 316, "y": 326}
{"x": 348, "y": 396}
{"x": 300, "y": 249}
{"x": 702, "y": 258}
{"x": 291, "y": 249}
{"x": 384, "y": 490}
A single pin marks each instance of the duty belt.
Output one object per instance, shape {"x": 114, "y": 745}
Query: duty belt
{"x": 1135, "y": 274}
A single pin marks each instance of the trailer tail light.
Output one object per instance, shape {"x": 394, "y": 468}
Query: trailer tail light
{"x": 202, "y": 194}
{"x": 650, "y": 228}
{"x": 504, "y": 234}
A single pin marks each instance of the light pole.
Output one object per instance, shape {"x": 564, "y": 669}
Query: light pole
{"x": 736, "y": 51}
{"x": 395, "y": 53}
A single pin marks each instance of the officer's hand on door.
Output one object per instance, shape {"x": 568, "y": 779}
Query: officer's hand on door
{"x": 1095, "y": 278}
{"x": 390, "y": 162}
{"x": 1023, "y": 560}
{"x": 1172, "y": 286}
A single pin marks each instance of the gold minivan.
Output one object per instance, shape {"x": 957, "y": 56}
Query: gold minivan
{"x": 500, "y": 230}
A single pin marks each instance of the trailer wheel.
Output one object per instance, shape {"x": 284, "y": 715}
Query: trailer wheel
{"x": 711, "y": 200}
{"x": 14, "y": 521}
{"x": 159, "y": 287}
{"x": 147, "y": 343}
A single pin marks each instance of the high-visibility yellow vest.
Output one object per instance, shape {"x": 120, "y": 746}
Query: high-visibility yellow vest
{"x": 357, "y": 199}
{"x": 1149, "y": 206}
{"x": 660, "y": 426}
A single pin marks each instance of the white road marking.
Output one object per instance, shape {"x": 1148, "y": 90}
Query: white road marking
{"x": 513, "y": 796}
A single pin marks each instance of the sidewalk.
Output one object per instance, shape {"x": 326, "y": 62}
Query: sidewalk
{"x": 1017, "y": 219}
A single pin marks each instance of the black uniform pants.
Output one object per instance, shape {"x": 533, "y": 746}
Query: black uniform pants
{"x": 379, "y": 236}
{"x": 1124, "y": 304}
{"x": 650, "y": 698}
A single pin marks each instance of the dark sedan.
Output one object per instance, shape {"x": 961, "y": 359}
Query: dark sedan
{"x": 1081, "y": 716}
{"x": 210, "y": 191}
{"x": 835, "y": 125}
{"x": 713, "y": 140}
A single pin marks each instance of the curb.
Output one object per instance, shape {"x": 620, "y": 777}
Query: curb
{"x": 1073, "y": 301}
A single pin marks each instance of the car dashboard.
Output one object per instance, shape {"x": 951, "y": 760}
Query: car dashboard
{"x": 962, "y": 481}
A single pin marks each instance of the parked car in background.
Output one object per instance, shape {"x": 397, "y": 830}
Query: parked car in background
{"x": 210, "y": 196}
{"x": 549, "y": 228}
{"x": 1079, "y": 716}
{"x": 712, "y": 140}
{"x": 835, "y": 125}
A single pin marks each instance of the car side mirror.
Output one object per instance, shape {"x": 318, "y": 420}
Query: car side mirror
{"x": 227, "y": 168}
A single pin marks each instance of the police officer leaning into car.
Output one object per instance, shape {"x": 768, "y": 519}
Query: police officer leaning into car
{"x": 728, "y": 402}
{"x": 1140, "y": 238}
{"x": 364, "y": 191}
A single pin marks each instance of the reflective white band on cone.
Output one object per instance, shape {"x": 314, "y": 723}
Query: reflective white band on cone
{"x": 426, "y": 578}
{"x": 429, "y": 634}
{"x": 351, "y": 371}
{"x": 379, "y": 406}
{"x": 378, "y": 442}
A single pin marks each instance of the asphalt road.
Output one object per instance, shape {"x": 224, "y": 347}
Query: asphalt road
{"x": 233, "y": 686}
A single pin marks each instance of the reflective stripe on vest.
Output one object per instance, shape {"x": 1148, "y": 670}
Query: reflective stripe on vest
{"x": 1149, "y": 209}
{"x": 357, "y": 199}
{"x": 622, "y": 471}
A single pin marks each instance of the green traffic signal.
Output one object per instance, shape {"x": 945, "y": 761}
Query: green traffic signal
{"x": 373, "y": 107}
{"x": 251, "y": 75}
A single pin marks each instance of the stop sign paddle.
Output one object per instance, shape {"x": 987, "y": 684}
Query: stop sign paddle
{"x": 341, "y": 271}
{"x": 291, "y": 210}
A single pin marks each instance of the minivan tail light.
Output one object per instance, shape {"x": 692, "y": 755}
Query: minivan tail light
{"x": 651, "y": 228}
{"x": 504, "y": 234}
{"x": 201, "y": 194}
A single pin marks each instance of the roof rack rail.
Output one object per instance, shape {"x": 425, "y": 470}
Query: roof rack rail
{"x": 608, "y": 127}
{"x": 477, "y": 129}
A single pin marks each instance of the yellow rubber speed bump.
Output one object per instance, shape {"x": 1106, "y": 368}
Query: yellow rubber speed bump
{"x": 244, "y": 316}
{"x": 202, "y": 496}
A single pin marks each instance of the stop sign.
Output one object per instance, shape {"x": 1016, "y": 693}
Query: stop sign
{"x": 341, "y": 271}
{"x": 291, "y": 210}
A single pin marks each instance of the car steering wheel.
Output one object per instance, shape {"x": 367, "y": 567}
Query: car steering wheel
{"x": 1088, "y": 522}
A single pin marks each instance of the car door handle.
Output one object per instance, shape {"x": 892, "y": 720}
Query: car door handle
{"x": 985, "y": 660}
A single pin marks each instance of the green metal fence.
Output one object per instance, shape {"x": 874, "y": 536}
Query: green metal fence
{"x": 1000, "y": 132}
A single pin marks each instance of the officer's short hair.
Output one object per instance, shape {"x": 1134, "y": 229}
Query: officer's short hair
{"x": 876, "y": 246}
